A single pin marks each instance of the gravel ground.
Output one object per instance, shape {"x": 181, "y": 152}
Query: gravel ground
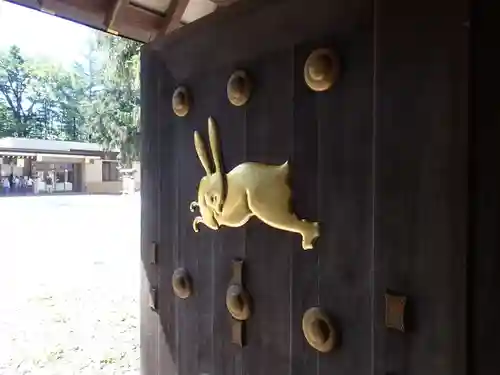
{"x": 69, "y": 285}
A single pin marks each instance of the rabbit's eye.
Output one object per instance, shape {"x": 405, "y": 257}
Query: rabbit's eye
{"x": 213, "y": 198}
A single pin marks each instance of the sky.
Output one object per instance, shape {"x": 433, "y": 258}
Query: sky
{"x": 40, "y": 34}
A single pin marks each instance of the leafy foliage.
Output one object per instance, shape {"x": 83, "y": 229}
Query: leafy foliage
{"x": 96, "y": 100}
{"x": 115, "y": 118}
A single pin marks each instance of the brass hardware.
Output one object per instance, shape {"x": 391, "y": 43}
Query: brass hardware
{"x": 395, "y": 306}
{"x": 250, "y": 189}
{"x": 238, "y": 332}
{"x": 181, "y": 283}
{"x": 154, "y": 253}
{"x": 153, "y": 299}
{"x": 181, "y": 101}
{"x": 238, "y": 301}
{"x": 321, "y": 69}
{"x": 239, "y": 88}
{"x": 318, "y": 330}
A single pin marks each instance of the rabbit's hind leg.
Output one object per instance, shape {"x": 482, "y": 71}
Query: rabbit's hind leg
{"x": 277, "y": 215}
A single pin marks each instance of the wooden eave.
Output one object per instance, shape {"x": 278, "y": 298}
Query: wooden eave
{"x": 141, "y": 20}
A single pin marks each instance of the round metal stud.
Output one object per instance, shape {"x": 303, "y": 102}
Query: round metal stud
{"x": 321, "y": 69}
{"x": 238, "y": 302}
{"x": 181, "y": 101}
{"x": 239, "y": 88}
{"x": 181, "y": 283}
{"x": 318, "y": 330}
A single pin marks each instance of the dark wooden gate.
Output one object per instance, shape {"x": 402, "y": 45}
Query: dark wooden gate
{"x": 381, "y": 160}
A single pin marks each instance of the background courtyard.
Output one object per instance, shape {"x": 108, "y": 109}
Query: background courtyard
{"x": 69, "y": 285}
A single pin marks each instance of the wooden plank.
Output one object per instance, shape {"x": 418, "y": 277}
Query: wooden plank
{"x": 149, "y": 201}
{"x": 117, "y": 5}
{"x": 184, "y": 181}
{"x": 304, "y": 278}
{"x": 484, "y": 257}
{"x": 196, "y": 248}
{"x": 134, "y": 17}
{"x": 172, "y": 18}
{"x": 32, "y": 4}
{"x": 421, "y": 184}
{"x": 165, "y": 220}
{"x": 269, "y": 136}
{"x": 228, "y": 243}
{"x": 345, "y": 204}
{"x": 93, "y": 6}
{"x": 201, "y": 244}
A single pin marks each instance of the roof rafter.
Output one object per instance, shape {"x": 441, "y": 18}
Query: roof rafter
{"x": 142, "y": 20}
{"x": 172, "y": 18}
{"x": 111, "y": 15}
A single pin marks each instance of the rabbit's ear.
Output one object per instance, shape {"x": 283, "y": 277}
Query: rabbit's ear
{"x": 214, "y": 144}
{"x": 202, "y": 152}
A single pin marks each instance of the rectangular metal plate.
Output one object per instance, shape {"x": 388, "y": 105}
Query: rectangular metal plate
{"x": 153, "y": 299}
{"x": 237, "y": 332}
{"x": 154, "y": 253}
{"x": 395, "y": 306}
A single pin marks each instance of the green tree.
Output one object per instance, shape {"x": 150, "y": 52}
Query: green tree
{"x": 39, "y": 99}
{"x": 97, "y": 100}
{"x": 68, "y": 90}
{"x": 16, "y": 89}
{"x": 6, "y": 120}
{"x": 115, "y": 116}
{"x": 89, "y": 75}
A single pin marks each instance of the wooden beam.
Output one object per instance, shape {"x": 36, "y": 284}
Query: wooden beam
{"x": 111, "y": 15}
{"x": 223, "y": 3}
{"x": 44, "y": 9}
{"x": 120, "y": 16}
{"x": 135, "y": 17}
{"x": 172, "y": 18}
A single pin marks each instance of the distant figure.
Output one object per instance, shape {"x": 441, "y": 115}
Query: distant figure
{"x": 22, "y": 184}
{"x": 48, "y": 183}
{"x": 6, "y": 186}
{"x": 36, "y": 185}
{"x": 29, "y": 184}
{"x": 17, "y": 183}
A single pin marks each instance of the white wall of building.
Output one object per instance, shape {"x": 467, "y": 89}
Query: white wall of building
{"x": 6, "y": 170}
{"x": 92, "y": 172}
{"x": 93, "y": 183}
{"x": 46, "y": 145}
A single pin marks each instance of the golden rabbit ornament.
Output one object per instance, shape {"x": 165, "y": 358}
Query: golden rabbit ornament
{"x": 249, "y": 189}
